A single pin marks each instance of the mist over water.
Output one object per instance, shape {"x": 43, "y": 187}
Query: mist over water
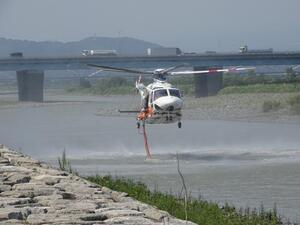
{"x": 241, "y": 163}
{"x": 46, "y": 131}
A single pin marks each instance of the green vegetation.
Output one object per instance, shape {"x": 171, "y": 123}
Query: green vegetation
{"x": 294, "y": 103}
{"x": 262, "y": 88}
{"x": 105, "y": 86}
{"x": 185, "y": 84}
{"x": 232, "y": 83}
{"x": 64, "y": 163}
{"x": 249, "y": 79}
{"x": 199, "y": 211}
{"x": 295, "y": 100}
{"x": 258, "y": 83}
{"x": 270, "y": 105}
{"x": 233, "y": 79}
{"x": 123, "y": 86}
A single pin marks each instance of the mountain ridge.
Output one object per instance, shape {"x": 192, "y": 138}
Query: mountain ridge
{"x": 123, "y": 45}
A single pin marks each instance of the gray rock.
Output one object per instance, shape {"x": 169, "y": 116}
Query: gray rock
{"x": 38, "y": 191}
{"x": 13, "y": 213}
{"x": 48, "y": 179}
{"x": 106, "y": 190}
{"x": 118, "y": 196}
{"x": 93, "y": 217}
{"x": 56, "y": 218}
{"x": 69, "y": 196}
{"x": 82, "y": 206}
{"x": 38, "y": 210}
{"x": 126, "y": 205}
{"x": 17, "y": 178}
{"x": 119, "y": 212}
{"x": 155, "y": 214}
{"x": 4, "y": 161}
{"x": 23, "y": 161}
{"x": 130, "y": 220}
{"x": 12, "y": 221}
{"x": 4, "y": 187}
{"x": 6, "y": 201}
{"x": 14, "y": 169}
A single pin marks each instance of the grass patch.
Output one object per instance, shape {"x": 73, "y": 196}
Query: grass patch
{"x": 199, "y": 211}
{"x": 64, "y": 163}
{"x": 295, "y": 100}
{"x": 105, "y": 86}
{"x": 294, "y": 103}
{"x": 270, "y": 105}
{"x": 262, "y": 88}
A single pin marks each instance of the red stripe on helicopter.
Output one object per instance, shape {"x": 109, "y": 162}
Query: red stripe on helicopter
{"x": 212, "y": 70}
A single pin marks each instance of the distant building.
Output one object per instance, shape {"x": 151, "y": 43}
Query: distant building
{"x": 163, "y": 51}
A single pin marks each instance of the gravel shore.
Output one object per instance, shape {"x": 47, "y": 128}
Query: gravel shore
{"x": 242, "y": 107}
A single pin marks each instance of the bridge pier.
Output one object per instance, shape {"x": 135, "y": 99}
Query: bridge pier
{"x": 207, "y": 84}
{"x": 31, "y": 85}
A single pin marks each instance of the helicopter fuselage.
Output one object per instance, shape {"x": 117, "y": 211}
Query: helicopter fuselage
{"x": 164, "y": 103}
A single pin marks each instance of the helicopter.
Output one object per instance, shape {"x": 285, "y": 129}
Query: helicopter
{"x": 161, "y": 102}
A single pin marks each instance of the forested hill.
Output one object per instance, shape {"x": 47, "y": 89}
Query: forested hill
{"x": 123, "y": 45}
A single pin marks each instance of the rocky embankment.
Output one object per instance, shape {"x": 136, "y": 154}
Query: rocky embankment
{"x": 32, "y": 192}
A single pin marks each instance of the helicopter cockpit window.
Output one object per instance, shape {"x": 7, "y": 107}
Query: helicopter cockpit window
{"x": 174, "y": 92}
{"x": 160, "y": 93}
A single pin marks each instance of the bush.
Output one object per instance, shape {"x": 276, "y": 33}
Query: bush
{"x": 294, "y": 102}
{"x": 270, "y": 105}
{"x": 64, "y": 164}
{"x": 262, "y": 88}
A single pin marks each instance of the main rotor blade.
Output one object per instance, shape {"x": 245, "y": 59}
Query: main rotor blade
{"x": 93, "y": 74}
{"x": 129, "y": 111}
{"x": 295, "y": 67}
{"x": 173, "y": 68}
{"x": 235, "y": 69}
{"x": 114, "y": 69}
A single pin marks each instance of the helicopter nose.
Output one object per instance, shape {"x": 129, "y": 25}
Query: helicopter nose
{"x": 176, "y": 103}
{"x": 169, "y": 103}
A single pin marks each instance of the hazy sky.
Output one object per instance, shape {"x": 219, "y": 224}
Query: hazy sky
{"x": 193, "y": 25}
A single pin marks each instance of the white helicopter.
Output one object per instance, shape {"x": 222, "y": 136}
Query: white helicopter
{"x": 161, "y": 102}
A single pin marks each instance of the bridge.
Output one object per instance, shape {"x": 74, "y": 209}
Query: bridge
{"x": 30, "y": 71}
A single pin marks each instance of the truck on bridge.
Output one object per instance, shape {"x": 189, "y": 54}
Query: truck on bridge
{"x": 244, "y": 49}
{"x": 164, "y": 51}
{"x": 93, "y": 52}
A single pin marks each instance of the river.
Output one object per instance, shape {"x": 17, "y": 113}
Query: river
{"x": 242, "y": 163}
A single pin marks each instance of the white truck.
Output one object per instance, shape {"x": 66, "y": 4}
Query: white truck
{"x": 245, "y": 49}
{"x": 93, "y": 52}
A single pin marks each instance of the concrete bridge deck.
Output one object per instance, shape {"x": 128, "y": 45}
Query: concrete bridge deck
{"x": 233, "y": 59}
{"x": 30, "y": 71}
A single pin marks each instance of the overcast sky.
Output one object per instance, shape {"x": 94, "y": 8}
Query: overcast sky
{"x": 192, "y": 25}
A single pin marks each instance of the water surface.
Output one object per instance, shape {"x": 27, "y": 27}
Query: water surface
{"x": 242, "y": 163}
